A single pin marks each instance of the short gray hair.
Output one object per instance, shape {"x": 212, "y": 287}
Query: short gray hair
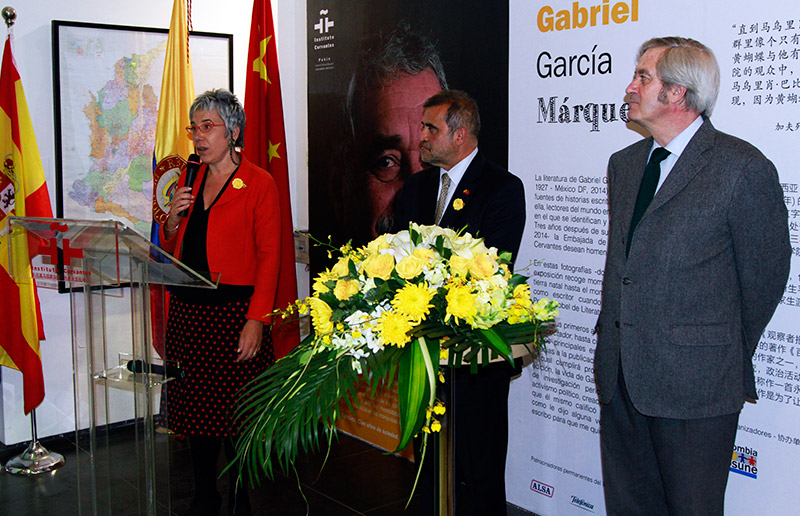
{"x": 383, "y": 57}
{"x": 462, "y": 110}
{"x": 227, "y": 106}
{"x": 690, "y": 64}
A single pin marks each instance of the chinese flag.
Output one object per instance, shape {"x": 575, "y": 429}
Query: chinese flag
{"x": 265, "y": 145}
{"x": 23, "y": 193}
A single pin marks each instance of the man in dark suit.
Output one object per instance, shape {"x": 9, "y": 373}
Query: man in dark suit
{"x": 492, "y": 200}
{"x": 462, "y": 190}
{"x": 693, "y": 276}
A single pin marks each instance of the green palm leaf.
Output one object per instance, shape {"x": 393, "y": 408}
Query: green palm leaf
{"x": 290, "y": 407}
{"x": 416, "y": 377}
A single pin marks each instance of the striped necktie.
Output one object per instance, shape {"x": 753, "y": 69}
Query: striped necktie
{"x": 442, "y": 198}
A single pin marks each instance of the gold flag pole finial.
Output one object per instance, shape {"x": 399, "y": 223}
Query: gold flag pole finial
{"x": 9, "y": 15}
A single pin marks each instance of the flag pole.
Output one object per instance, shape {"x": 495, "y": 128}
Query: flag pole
{"x": 36, "y": 458}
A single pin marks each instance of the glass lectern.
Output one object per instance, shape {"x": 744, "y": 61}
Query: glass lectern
{"x": 116, "y": 280}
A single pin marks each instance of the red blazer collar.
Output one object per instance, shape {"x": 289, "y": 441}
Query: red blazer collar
{"x": 242, "y": 178}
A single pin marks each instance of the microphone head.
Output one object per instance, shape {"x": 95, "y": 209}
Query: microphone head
{"x": 192, "y": 166}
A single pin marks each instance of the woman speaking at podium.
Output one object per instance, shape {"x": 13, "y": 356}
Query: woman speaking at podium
{"x": 224, "y": 225}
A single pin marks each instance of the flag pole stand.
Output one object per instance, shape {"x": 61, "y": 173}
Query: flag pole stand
{"x": 36, "y": 459}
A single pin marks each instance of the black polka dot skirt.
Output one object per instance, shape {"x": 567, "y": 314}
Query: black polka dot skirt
{"x": 203, "y": 339}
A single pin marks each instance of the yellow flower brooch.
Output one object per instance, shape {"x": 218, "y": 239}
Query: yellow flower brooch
{"x": 238, "y": 184}
{"x": 458, "y": 204}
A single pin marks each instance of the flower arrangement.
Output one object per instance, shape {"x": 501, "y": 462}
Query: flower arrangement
{"x": 392, "y": 309}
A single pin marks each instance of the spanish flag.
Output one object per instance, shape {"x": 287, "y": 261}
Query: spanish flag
{"x": 172, "y": 147}
{"x": 23, "y": 193}
{"x": 265, "y": 145}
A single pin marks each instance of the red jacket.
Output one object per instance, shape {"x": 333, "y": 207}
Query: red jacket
{"x": 243, "y": 242}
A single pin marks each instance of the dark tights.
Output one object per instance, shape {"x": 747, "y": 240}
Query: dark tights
{"x": 207, "y": 501}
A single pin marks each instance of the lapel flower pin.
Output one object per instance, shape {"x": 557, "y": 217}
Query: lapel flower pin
{"x": 238, "y": 184}
{"x": 458, "y": 204}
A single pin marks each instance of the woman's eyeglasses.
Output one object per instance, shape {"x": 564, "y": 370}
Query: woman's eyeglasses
{"x": 203, "y": 128}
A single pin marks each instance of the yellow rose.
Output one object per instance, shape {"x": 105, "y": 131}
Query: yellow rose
{"x": 342, "y": 267}
{"x": 379, "y": 266}
{"x": 410, "y": 267}
{"x": 378, "y": 244}
{"x": 458, "y": 204}
{"x": 345, "y": 289}
{"x": 481, "y": 266}
{"x": 459, "y": 266}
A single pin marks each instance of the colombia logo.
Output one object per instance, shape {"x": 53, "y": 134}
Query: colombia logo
{"x": 745, "y": 461}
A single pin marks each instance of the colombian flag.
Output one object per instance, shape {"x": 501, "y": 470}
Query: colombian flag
{"x": 171, "y": 144}
{"x": 265, "y": 145}
{"x": 23, "y": 193}
{"x": 177, "y": 94}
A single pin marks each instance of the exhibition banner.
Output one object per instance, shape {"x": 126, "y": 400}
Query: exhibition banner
{"x": 569, "y": 65}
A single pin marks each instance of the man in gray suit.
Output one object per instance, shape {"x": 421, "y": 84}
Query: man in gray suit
{"x": 693, "y": 275}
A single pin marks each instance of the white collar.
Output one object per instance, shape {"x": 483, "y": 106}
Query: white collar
{"x": 679, "y": 143}
{"x": 458, "y": 170}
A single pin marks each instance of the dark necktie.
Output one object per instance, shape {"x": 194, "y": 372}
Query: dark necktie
{"x": 647, "y": 190}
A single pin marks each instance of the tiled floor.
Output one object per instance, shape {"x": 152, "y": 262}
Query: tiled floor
{"x": 357, "y": 479}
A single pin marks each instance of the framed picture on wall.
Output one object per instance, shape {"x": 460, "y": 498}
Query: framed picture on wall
{"x": 106, "y": 87}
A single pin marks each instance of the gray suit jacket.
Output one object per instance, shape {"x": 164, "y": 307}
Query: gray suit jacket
{"x": 708, "y": 265}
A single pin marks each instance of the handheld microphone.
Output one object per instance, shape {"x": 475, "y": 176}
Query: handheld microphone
{"x": 192, "y": 166}
{"x": 168, "y": 371}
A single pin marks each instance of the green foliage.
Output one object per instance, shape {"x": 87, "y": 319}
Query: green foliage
{"x": 292, "y": 408}
{"x": 289, "y": 408}
{"x": 416, "y": 387}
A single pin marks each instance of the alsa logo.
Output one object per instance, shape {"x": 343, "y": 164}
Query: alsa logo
{"x": 745, "y": 461}
{"x": 579, "y": 17}
{"x": 542, "y": 488}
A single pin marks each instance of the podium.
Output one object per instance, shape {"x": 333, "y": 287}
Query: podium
{"x": 114, "y": 277}
{"x": 443, "y": 445}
